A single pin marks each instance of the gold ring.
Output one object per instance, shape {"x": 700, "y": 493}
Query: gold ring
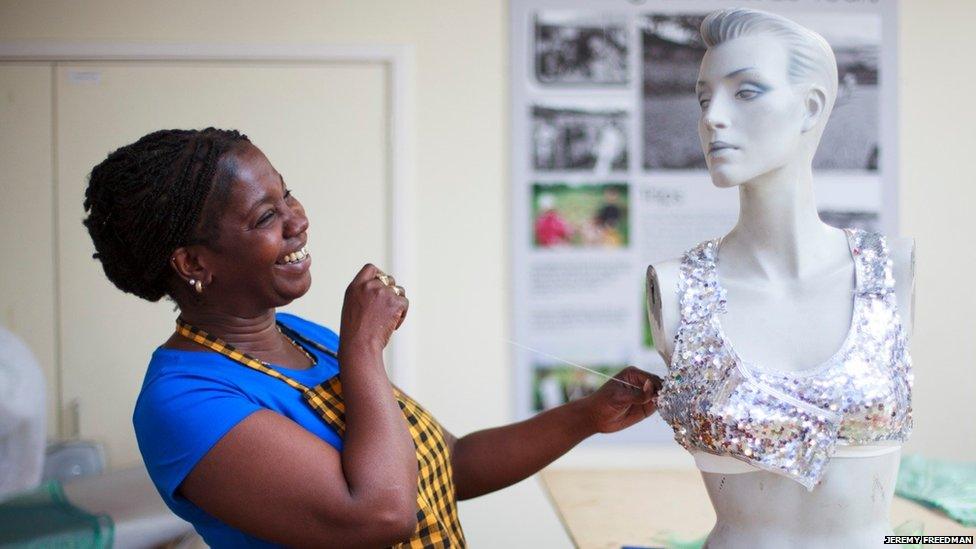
{"x": 398, "y": 290}
{"x": 384, "y": 278}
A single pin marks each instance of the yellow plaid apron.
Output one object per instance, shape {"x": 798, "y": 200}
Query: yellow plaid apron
{"x": 438, "y": 526}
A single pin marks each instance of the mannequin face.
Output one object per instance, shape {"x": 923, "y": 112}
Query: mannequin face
{"x": 752, "y": 116}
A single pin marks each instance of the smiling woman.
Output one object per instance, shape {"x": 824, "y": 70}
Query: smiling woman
{"x": 260, "y": 225}
{"x": 259, "y": 427}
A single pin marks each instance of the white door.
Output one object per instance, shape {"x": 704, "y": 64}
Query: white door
{"x": 27, "y": 281}
{"x": 322, "y": 125}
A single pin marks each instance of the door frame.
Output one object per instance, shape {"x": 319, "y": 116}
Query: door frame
{"x": 399, "y": 60}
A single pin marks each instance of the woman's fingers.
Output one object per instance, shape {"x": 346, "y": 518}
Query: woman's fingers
{"x": 648, "y": 408}
{"x": 374, "y": 306}
{"x": 648, "y": 384}
{"x": 368, "y": 272}
{"x": 403, "y": 316}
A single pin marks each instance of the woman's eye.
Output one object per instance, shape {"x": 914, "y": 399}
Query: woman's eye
{"x": 747, "y": 94}
{"x": 266, "y": 217}
{"x": 703, "y": 103}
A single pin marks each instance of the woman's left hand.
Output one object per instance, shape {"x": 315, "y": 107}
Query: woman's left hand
{"x": 616, "y": 406}
{"x": 488, "y": 460}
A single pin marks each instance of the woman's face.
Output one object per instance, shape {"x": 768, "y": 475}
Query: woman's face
{"x": 259, "y": 260}
{"x": 751, "y": 115}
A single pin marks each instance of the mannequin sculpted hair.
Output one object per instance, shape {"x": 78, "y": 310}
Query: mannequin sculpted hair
{"x": 810, "y": 58}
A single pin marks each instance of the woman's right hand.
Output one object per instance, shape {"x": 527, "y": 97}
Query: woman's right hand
{"x": 372, "y": 310}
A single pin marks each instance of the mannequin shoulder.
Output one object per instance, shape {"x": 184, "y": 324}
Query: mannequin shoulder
{"x": 663, "y": 304}
{"x": 902, "y": 253}
{"x": 664, "y": 274}
{"x": 662, "y": 288}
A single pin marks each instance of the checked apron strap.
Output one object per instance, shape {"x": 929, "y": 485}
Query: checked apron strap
{"x": 438, "y": 526}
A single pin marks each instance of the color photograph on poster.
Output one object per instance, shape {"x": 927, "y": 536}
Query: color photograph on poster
{"x": 556, "y": 385}
{"x": 580, "y": 216}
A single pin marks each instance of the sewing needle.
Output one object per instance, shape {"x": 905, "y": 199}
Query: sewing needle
{"x": 527, "y": 348}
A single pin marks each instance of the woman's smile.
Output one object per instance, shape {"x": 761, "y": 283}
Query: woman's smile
{"x": 297, "y": 262}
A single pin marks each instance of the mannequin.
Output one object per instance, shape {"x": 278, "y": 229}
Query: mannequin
{"x": 766, "y": 87}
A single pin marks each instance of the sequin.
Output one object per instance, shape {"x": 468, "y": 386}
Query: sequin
{"x": 789, "y": 422}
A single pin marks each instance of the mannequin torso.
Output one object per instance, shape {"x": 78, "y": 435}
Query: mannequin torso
{"x": 766, "y": 88}
{"x": 849, "y": 508}
{"x": 769, "y": 323}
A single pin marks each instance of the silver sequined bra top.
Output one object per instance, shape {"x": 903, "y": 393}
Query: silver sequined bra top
{"x": 789, "y": 422}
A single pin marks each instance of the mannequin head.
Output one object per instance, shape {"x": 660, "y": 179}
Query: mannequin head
{"x": 766, "y": 88}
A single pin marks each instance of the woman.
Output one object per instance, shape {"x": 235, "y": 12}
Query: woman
{"x": 249, "y": 427}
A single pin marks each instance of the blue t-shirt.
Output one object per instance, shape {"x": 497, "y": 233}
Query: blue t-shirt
{"x": 190, "y": 399}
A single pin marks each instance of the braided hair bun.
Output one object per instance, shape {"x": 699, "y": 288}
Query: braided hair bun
{"x": 146, "y": 198}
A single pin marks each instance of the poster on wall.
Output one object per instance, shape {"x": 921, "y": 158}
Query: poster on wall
{"x": 608, "y": 175}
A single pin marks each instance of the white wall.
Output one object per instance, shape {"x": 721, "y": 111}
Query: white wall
{"x": 460, "y": 297}
{"x": 938, "y": 194}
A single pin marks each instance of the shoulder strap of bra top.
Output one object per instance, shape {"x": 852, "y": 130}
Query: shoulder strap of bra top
{"x": 699, "y": 293}
{"x": 872, "y": 263}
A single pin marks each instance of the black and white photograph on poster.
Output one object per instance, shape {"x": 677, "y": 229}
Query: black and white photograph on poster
{"x": 579, "y": 139}
{"x": 580, "y": 216}
{"x": 851, "y": 138}
{"x": 672, "y": 51}
{"x": 580, "y": 48}
{"x": 849, "y": 201}
{"x": 854, "y": 219}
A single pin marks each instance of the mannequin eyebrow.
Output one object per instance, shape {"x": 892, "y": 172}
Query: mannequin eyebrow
{"x": 701, "y": 83}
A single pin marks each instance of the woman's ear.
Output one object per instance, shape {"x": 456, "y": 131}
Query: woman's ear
{"x": 188, "y": 265}
{"x": 814, "y": 105}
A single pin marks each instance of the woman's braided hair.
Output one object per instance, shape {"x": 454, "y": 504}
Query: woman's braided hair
{"x": 145, "y": 200}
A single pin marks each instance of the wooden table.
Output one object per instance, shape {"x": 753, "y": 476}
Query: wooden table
{"x": 603, "y": 509}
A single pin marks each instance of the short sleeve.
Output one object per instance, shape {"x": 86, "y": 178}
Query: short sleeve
{"x": 179, "y": 417}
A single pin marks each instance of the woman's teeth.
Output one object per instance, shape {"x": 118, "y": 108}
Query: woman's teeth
{"x": 295, "y": 257}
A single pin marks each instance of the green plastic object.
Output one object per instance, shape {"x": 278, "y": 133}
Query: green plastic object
{"x": 45, "y": 518}
{"x": 944, "y": 485}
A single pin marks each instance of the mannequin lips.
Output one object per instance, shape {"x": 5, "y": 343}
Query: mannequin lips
{"x": 716, "y": 146}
